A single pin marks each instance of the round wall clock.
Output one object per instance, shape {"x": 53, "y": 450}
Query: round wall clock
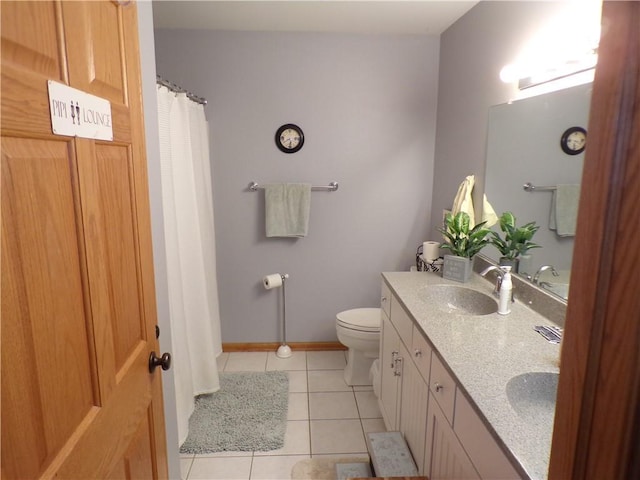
{"x": 289, "y": 138}
{"x": 573, "y": 140}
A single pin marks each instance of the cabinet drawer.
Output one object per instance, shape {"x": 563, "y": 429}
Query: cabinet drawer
{"x": 402, "y": 322}
{"x": 421, "y": 353}
{"x": 483, "y": 450}
{"x": 385, "y": 299}
{"x": 442, "y": 387}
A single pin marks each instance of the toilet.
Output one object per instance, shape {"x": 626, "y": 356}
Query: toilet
{"x": 359, "y": 330}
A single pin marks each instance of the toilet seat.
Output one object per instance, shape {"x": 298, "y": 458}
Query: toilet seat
{"x": 360, "y": 319}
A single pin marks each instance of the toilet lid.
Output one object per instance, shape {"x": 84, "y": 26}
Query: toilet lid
{"x": 365, "y": 319}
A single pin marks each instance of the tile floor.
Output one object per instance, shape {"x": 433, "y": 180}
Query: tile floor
{"x": 326, "y": 418}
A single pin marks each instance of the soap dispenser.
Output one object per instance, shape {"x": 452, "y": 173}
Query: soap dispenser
{"x": 506, "y": 292}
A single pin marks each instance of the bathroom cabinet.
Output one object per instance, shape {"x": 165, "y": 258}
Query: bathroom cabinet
{"x": 413, "y": 408}
{"x": 420, "y": 398}
{"x": 447, "y": 457}
{"x": 396, "y": 333}
{"x": 390, "y": 374}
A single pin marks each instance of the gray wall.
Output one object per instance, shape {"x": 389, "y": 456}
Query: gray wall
{"x": 472, "y": 53}
{"x": 148, "y": 70}
{"x": 367, "y": 107}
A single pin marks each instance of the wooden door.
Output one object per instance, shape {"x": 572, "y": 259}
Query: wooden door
{"x": 596, "y": 429}
{"x": 78, "y": 305}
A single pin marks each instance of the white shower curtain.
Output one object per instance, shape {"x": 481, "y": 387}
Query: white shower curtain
{"x": 190, "y": 250}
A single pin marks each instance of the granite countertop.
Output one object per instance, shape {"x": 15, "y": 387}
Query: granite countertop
{"x": 483, "y": 353}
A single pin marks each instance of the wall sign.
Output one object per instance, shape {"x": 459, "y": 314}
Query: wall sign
{"x": 79, "y": 114}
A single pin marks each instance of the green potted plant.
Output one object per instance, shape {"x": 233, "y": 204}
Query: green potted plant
{"x": 516, "y": 242}
{"x": 463, "y": 242}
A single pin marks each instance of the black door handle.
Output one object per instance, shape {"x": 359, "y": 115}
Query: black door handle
{"x": 164, "y": 361}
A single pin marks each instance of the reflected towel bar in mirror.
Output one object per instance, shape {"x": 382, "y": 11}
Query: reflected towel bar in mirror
{"x": 530, "y": 187}
{"x": 332, "y": 187}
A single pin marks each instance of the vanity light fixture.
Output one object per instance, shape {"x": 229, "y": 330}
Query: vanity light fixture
{"x": 566, "y": 46}
{"x": 557, "y": 72}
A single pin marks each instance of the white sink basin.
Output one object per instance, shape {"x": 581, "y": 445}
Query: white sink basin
{"x": 533, "y": 395}
{"x": 459, "y": 300}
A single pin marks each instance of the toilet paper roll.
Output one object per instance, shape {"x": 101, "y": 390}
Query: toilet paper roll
{"x": 430, "y": 251}
{"x": 272, "y": 281}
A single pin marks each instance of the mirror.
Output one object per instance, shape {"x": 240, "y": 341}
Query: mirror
{"x": 523, "y": 146}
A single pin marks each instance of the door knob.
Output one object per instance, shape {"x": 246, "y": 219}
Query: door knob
{"x": 164, "y": 361}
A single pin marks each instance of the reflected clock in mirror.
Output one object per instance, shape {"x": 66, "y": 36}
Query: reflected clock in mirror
{"x": 573, "y": 140}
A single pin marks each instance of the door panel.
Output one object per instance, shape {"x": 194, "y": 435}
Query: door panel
{"x": 31, "y": 48}
{"x": 30, "y": 56}
{"x": 78, "y": 299}
{"x": 47, "y": 391}
{"x": 96, "y": 62}
{"x": 106, "y": 185}
{"x": 135, "y": 464}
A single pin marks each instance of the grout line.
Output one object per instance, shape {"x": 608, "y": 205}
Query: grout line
{"x": 189, "y": 468}
{"x": 251, "y": 466}
{"x": 308, "y": 406}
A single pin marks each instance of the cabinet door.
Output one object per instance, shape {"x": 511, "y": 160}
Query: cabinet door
{"x": 413, "y": 409}
{"x": 483, "y": 450}
{"x": 390, "y": 371}
{"x": 443, "y": 387}
{"x": 445, "y": 459}
{"x": 421, "y": 353}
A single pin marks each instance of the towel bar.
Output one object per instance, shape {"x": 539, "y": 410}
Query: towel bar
{"x": 332, "y": 187}
{"x": 529, "y": 187}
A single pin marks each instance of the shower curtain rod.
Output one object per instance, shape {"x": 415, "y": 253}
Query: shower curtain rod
{"x": 178, "y": 89}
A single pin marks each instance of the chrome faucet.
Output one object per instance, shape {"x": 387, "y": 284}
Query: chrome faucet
{"x": 542, "y": 269}
{"x": 499, "y": 276}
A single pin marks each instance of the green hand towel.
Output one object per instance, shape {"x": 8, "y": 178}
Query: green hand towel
{"x": 287, "y": 207}
{"x": 564, "y": 210}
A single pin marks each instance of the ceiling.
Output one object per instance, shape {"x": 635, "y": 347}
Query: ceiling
{"x": 415, "y": 17}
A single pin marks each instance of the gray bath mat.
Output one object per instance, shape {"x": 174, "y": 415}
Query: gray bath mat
{"x": 248, "y": 413}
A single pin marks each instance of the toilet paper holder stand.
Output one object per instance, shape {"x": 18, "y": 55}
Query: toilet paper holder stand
{"x": 284, "y": 350}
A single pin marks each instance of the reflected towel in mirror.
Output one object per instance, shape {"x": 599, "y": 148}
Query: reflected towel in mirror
{"x": 564, "y": 210}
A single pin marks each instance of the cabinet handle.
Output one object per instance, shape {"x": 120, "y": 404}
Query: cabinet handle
{"x": 396, "y": 372}
{"x": 383, "y": 300}
{"x": 439, "y": 387}
{"x": 417, "y": 352}
{"x": 393, "y": 359}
